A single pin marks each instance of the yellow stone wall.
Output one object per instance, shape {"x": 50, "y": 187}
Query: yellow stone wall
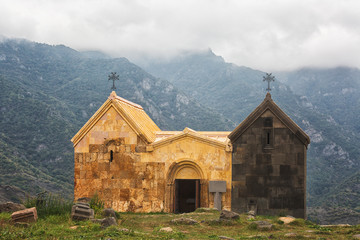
{"x": 139, "y": 180}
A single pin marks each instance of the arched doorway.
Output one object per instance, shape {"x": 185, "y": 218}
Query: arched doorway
{"x": 185, "y": 187}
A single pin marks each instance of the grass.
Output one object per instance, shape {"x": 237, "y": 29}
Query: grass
{"x": 147, "y": 226}
{"x": 48, "y": 204}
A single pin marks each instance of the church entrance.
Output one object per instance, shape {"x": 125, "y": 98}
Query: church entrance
{"x": 187, "y": 195}
{"x": 185, "y": 190}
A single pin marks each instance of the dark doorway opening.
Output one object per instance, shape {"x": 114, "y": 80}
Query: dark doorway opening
{"x": 187, "y": 195}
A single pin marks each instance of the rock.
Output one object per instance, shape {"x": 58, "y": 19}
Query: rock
{"x": 227, "y": 238}
{"x": 309, "y": 231}
{"x": 185, "y": 221}
{"x": 290, "y": 235}
{"x": 287, "y": 219}
{"x": 105, "y": 222}
{"x": 109, "y": 212}
{"x": 11, "y": 207}
{"x": 27, "y": 215}
{"x": 124, "y": 230}
{"x": 166, "y": 229}
{"x": 229, "y": 215}
{"x": 73, "y": 227}
{"x": 252, "y": 213}
{"x": 263, "y": 225}
{"x": 82, "y": 211}
{"x": 357, "y": 236}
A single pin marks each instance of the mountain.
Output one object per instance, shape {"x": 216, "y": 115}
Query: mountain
{"x": 333, "y": 155}
{"x": 49, "y": 92}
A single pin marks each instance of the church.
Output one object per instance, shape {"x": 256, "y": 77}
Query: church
{"x": 134, "y": 166}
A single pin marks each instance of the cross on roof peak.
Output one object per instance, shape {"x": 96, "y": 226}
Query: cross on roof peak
{"x": 113, "y": 77}
{"x": 269, "y": 78}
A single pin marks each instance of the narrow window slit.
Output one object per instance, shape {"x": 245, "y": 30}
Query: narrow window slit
{"x": 268, "y": 138}
{"x": 111, "y": 155}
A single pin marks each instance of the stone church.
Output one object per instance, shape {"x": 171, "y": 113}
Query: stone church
{"x": 124, "y": 157}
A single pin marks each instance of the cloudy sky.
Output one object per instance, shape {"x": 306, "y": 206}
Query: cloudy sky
{"x": 268, "y": 35}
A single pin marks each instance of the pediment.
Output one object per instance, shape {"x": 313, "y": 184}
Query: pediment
{"x": 269, "y": 105}
{"x": 192, "y": 134}
{"x": 133, "y": 114}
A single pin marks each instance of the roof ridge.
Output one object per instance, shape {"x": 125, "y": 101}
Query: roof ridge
{"x": 113, "y": 95}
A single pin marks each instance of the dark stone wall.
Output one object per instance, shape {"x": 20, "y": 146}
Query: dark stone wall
{"x": 269, "y": 169}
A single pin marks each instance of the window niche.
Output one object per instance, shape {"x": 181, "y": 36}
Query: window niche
{"x": 111, "y": 155}
{"x": 268, "y": 133}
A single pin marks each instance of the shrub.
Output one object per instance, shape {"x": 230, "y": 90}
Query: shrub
{"x": 96, "y": 203}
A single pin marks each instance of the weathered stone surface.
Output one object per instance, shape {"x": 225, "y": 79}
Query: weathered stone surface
{"x": 81, "y": 211}
{"x": 287, "y": 219}
{"x": 166, "y": 229}
{"x": 357, "y": 236}
{"x": 229, "y": 215}
{"x": 263, "y": 225}
{"x": 105, "y": 222}
{"x": 28, "y": 215}
{"x": 11, "y": 207}
{"x": 109, "y": 212}
{"x": 184, "y": 221}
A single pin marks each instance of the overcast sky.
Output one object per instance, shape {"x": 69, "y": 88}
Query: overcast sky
{"x": 268, "y": 35}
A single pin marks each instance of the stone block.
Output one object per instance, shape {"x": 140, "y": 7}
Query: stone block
{"x": 28, "y": 215}
{"x": 81, "y": 211}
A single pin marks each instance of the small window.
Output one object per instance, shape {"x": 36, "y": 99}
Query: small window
{"x": 111, "y": 155}
{"x": 268, "y": 138}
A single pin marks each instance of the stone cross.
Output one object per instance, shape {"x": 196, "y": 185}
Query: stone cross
{"x": 269, "y": 78}
{"x": 113, "y": 77}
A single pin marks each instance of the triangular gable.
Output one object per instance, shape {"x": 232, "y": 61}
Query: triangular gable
{"x": 269, "y": 104}
{"x": 132, "y": 113}
{"x": 187, "y": 132}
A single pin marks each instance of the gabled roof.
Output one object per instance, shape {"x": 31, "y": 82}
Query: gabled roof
{"x": 131, "y": 112}
{"x": 269, "y": 104}
{"x": 218, "y": 139}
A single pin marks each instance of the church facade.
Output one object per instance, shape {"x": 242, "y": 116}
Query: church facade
{"x": 123, "y": 156}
